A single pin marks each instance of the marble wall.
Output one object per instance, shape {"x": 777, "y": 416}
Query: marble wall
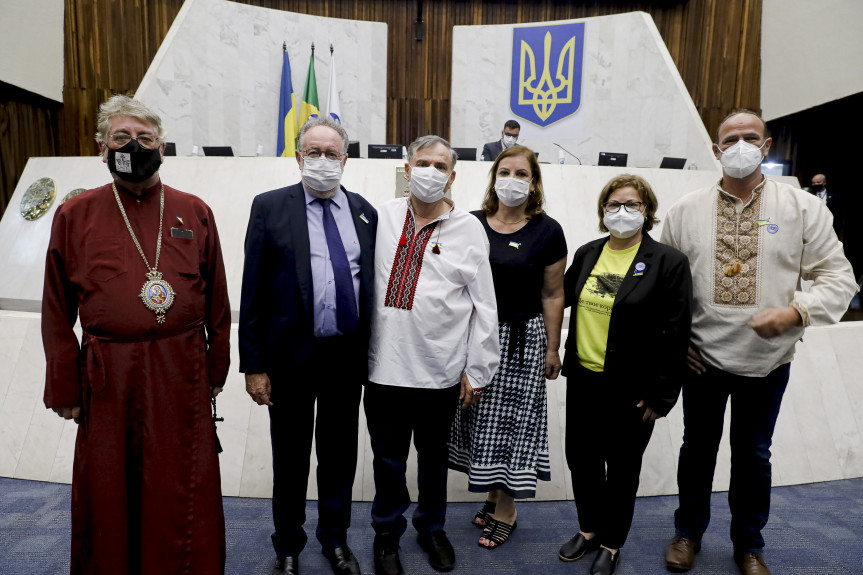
{"x": 215, "y": 80}
{"x": 633, "y": 99}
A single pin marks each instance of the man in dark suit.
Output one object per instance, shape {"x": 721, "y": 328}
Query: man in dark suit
{"x": 819, "y": 190}
{"x": 304, "y": 332}
{"x": 508, "y": 138}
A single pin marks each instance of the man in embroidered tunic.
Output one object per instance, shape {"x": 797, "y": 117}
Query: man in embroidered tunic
{"x": 146, "y": 494}
{"x": 748, "y": 313}
{"x": 434, "y": 341}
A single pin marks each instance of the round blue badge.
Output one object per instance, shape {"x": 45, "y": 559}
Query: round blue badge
{"x": 772, "y": 228}
{"x": 639, "y": 267}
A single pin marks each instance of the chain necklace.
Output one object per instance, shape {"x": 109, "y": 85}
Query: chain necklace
{"x": 157, "y": 294}
{"x": 509, "y": 223}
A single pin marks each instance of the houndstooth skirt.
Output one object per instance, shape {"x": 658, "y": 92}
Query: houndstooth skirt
{"x": 501, "y": 442}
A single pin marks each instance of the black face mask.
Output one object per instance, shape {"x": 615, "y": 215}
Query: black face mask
{"x": 133, "y": 162}
{"x": 816, "y": 187}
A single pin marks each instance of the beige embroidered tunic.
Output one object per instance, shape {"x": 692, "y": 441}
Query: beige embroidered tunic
{"x": 749, "y": 257}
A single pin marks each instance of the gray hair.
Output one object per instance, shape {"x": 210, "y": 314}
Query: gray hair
{"x": 327, "y": 122}
{"x": 424, "y": 142}
{"x": 122, "y": 105}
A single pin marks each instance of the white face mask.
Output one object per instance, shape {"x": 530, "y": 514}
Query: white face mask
{"x": 321, "y": 174}
{"x": 509, "y": 141}
{"x": 428, "y": 184}
{"x": 511, "y": 191}
{"x": 623, "y": 224}
{"x": 741, "y": 159}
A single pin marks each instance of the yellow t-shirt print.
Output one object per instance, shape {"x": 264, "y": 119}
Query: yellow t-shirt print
{"x": 595, "y": 303}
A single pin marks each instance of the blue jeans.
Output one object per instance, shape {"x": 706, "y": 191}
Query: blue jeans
{"x": 755, "y": 403}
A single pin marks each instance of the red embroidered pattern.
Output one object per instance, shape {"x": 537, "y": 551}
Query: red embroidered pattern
{"x": 407, "y": 264}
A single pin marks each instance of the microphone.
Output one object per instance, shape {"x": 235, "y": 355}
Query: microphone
{"x": 568, "y": 152}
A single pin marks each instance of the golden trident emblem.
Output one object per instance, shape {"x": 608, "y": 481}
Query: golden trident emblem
{"x": 546, "y": 95}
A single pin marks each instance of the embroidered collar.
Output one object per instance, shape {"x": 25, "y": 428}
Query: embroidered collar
{"x": 756, "y": 190}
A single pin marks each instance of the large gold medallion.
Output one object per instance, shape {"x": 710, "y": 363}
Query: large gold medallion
{"x": 157, "y": 294}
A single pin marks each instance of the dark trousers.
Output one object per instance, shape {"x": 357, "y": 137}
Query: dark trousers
{"x": 332, "y": 377}
{"x": 393, "y": 414}
{"x": 755, "y": 403}
{"x": 605, "y": 441}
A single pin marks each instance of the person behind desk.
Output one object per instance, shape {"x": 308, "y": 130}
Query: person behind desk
{"x": 508, "y": 138}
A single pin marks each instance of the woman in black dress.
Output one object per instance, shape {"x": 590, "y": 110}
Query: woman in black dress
{"x": 502, "y": 441}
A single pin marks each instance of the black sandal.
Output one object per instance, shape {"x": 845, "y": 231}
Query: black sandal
{"x": 496, "y": 534}
{"x": 483, "y": 516}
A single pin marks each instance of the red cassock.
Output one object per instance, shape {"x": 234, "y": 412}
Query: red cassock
{"x": 146, "y": 495}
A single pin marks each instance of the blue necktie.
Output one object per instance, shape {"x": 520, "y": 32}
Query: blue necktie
{"x": 346, "y": 302}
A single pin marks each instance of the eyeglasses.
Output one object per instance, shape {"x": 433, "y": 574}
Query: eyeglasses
{"x": 315, "y": 153}
{"x": 146, "y": 140}
{"x": 631, "y": 207}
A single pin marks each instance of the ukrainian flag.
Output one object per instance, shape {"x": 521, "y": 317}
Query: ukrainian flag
{"x": 309, "y": 106}
{"x": 287, "y": 138}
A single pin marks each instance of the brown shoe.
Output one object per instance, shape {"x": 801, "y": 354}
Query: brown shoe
{"x": 680, "y": 554}
{"x": 753, "y": 564}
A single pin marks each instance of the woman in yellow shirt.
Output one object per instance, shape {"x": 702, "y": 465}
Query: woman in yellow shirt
{"x": 626, "y": 347}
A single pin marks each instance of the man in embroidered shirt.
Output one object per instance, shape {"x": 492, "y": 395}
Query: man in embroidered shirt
{"x": 434, "y": 341}
{"x": 304, "y": 329}
{"x": 747, "y": 316}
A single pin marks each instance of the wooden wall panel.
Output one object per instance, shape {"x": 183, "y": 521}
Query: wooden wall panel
{"x": 109, "y": 44}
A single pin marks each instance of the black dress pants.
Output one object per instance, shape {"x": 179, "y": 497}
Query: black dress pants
{"x": 605, "y": 441}
{"x": 393, "y": 415}
{"x": 332, "y": 377}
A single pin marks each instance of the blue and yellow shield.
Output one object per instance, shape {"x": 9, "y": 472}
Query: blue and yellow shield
{"x": 546, "y": 72}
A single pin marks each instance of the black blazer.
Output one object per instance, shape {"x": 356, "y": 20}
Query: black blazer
{"x": 491, "y": 151}
{"x": 276, "y": 309}
{"x": 648, "y": 334}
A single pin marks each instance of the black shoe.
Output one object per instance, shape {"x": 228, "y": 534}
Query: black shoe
{"x": 287, "y": 566}
{"x": 605, "y": 563}
{"x": 577, "y": 547}
{"x": 342, "y": 560}
{"x": 386, "y": 551}
{"x": 439, "y": 549}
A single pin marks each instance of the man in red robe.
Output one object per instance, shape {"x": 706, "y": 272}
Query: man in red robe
{"x": 146, "y": 496}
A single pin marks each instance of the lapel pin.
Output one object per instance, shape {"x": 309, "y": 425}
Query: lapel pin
{"x": 640, "y": 268}
{"x": 515, "y": 245}
{"x": 180, "y": 221}
{"x": 364, "y": 218}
